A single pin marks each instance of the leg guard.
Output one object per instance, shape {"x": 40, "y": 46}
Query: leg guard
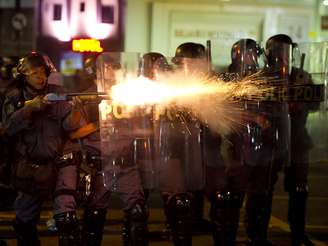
{"x": 258, "y": 213}
{"x": 26, "y": 233}
{"x": 135, "y": 226}
{"x": 297, "y": 213}
{"x": 93, "y": 226}
{"x": 68, "y": 229}
{"x": 180, "y": 217}
{"x": 225, "y": 216}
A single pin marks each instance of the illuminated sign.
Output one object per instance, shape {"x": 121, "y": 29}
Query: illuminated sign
{"x": 86, "y": 45}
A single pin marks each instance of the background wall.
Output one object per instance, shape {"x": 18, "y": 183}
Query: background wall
{"x": 159, "y": 25}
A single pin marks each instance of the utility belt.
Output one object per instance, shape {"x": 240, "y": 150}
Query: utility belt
{"x": 34, "y": 177}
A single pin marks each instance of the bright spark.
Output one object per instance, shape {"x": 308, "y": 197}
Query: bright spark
{"x": 141, "y": 90}
{"x": 213, "y": 101}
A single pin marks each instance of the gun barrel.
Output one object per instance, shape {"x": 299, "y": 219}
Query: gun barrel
{"x": 88, "y": 97}
{"x": 92, "y": 96}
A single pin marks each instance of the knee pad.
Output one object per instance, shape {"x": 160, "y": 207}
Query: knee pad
{"x": 135, "y": 226}
{"x": 179, "y": 205}
{"x": 224, "y": 201}
{"x": 138, "y": 213}
{"x": 299, "y": 189}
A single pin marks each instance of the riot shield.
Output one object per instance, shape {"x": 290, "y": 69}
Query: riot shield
{"x": 308, "y": 114}
{"x": 125, "y": 130}
{"x": 177, "y": 130}
{"x": 267, "y": 149}
{"x": 251, "y": 155}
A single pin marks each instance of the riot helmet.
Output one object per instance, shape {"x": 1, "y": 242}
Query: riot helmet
{"x": 279, "y": 53}
{"x": 244, "y": 57}
{"x": 191, "y": 57}
{"x": 152, "y": 63}
{"x": 34, "y": 69}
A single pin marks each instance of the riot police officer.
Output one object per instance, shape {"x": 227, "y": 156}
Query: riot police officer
{"x": 296, "y": 173}
{"x": 3, "y": 173}
{"x": 269, "y": 152}
{"x": 38, "y": 131}
{"x": 244, "y": 57}
{"x": 128, "y": 182}
{"x": 182, "y": 174}
{"x": 227, "y": 173}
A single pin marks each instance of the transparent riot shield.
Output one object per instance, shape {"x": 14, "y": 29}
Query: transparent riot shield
{"x": 309, "y": 118}
{"x": 271, "y": 130}
{"x": 253, "y": 152}
{"x": 177, "y": 129}
{"x": 125, "y": 129}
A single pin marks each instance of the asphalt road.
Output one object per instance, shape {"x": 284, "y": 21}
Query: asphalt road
{"x": 317, "y": 221}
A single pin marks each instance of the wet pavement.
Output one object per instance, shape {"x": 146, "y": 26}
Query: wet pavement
{"x": 317, "y": 221}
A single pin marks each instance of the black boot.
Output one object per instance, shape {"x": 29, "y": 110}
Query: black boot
{"x": 180, "y": 218}
{"x": 26, "y": 233}
{"x": 200, "y": 224}
{"x": 3, "y": 243}
{"x": 93, "y": 226}
{"x": 68, "y": 229}
{"x": 225, "y": 216}
{"x": 297, "y": 213}
{"x": 258, "y": 213}
{"x": 135, "y": 229}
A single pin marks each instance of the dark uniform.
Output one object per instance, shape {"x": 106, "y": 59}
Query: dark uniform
{"x": 227, "y": 173}
{"x": 3, "y": 166}
{"x": 7, "y": 192}
{"x": 38, "y": 132}
{"x": 296, "y": 174}
{"x": 180, "y": 170}
{"x": 124, "y": 178}
{"x": 268, "y": 151}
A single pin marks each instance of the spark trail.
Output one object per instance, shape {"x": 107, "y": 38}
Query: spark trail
{"x": 212, "y": 100}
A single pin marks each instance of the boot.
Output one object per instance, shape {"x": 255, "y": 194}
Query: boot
{"x": 3, "y": 243}
{"x": 200, "y": 224}
{"x": 93, "y": 226}
{"x": 68, "y": 229}
{"x": 225, "y": 216}
{"x": 135, "y": 229}
{"x": 179, "y": 214}
{"x": 258, "y": 213}
{"x": 297, "y": 213}
{"x": 26, "y": 233}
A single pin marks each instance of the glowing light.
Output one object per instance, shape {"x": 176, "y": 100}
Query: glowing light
{"x": 61, "y": 30}
{"x": 213, "y": 101}
{"x": 134, "y": 91}
{"x": 86, "y": 45}
{"x": 141, "y": 90}
{"x": 100, "y": 30}
{"x": 325, "y": 2}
